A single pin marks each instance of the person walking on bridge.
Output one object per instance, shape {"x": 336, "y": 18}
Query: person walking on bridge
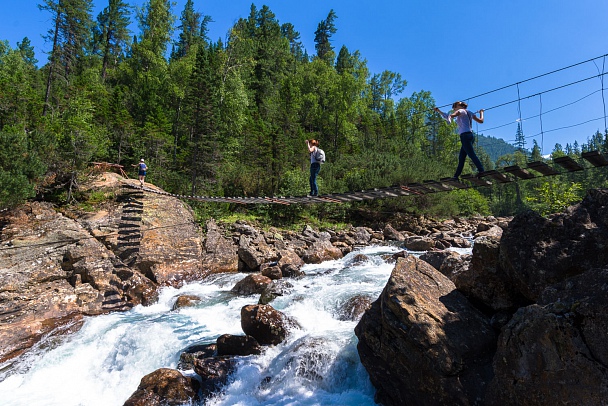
{"x": 315, "y": 166}
{"x": 464, "y": 120}
{"x": 141, "y": 171}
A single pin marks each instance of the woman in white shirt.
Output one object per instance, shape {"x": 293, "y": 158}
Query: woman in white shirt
{"x": 464, "y": 120}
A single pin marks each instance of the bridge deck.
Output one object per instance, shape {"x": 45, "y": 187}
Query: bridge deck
{"x": 591, "y": 159}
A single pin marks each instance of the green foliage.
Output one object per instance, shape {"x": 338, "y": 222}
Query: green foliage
{"x": 20, "y": 167}
{"x": 94, "y": 199}
{"x": 553, "y": 196}
{"x": 470, "y": 202}
{"x": 230, "y": 118}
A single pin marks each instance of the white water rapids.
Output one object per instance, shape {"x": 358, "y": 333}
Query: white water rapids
{"x": 103, "y": 363}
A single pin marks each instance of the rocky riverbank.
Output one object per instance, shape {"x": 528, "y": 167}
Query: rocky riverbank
{"x": 517, "y": 322}
{"x": 56, "y": 268}
{"x": 522, "y": 322}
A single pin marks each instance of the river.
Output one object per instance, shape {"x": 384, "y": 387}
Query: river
{"x": 103, "y": 363}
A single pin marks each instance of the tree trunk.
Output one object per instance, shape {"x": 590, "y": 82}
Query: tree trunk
{"x": 52, "y": 65}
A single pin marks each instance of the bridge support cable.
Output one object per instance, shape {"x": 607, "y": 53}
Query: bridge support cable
{"x": 536, "y": 169}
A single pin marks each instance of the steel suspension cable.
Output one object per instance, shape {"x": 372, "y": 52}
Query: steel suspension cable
{"x": 535, "y": 77}
{"x": 542, "y": 135}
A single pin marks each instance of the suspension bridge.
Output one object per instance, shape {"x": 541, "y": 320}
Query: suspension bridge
{"x": 536, "y": 169}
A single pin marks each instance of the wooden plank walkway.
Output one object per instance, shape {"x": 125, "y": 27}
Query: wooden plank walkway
{"x": 591, "y": 159}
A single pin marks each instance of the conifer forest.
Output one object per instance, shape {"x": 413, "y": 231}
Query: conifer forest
{"x": 230, "y": 117}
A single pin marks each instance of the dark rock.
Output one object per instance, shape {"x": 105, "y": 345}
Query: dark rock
{"x": 275, "y": 289}
{"x": 391, "y": 234}
{"x": 436, "y": 258}
{"x": 358, "y": 259}
{"x": 242, "y": 227}
{"x": 264, "y": 323}
{"x": 354, "y": 308}
{"x": 237, "y": 345}
{"x": 494, "y": 232}
{"x": 423, "y": 343}
{"x": 543, "y": 359}
{"x": 289, "y": 259}
{"x": 483, "y": 281}
{"x": 164, "y": 387}
{"x": 251, "y": 284}
{"x": 250, "y": 259}
{"x": 442, "y": 244}
{"x": 419, "y": 243}
{"x": 200, "y": 351}
{"x": 320, "y": 251}
{"x": 454, "y": 265}
{"x": 272, "y": 272}
{"x": 400, "y": 254}
{"x": 220, "y": 252}
{"x": 292, "y": 271}
{"x": 362, "y": 236}
{"x": 214, "y": 373}
{"x": 537, "y": 252}
{"x": 186, "y": 301}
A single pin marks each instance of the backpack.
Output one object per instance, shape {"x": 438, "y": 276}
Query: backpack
{"x": 319, "y": 155}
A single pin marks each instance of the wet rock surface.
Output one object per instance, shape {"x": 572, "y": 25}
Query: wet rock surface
{"x": 165, "y": 387}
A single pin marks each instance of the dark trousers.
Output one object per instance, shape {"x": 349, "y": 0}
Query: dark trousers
{"x": 466, "y": 139}
{"x": 315, "y": 168}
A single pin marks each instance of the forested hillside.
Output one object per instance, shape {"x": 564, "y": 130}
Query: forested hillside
{"x": 228, "y": 117}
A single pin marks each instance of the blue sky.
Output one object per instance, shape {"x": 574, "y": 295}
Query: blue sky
{"x": 455, "y": 50}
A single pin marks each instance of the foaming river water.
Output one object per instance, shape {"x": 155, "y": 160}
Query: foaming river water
{"x": 103, "y": 363}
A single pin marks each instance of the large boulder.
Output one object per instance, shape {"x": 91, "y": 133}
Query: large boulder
{"x": 556, "y": 351}
{"x": 60, "y": 267}
{"x": 164, "y": 387}
{"x": 537, "y": 252}
{"x": 423, "y": 343}
{"x": 196, "y": 351}
{"x": 220, "y": 252}
{"x": 264, "y": 323}
{"x": 52, "y": 273}
{"x": 214, "y": 373}
{"x": 321, "y": 250}
{"x": 391, "y": 234}
{"x": 417, "y": 243}
{"x": 152, "y": 232}
{"x": 289, "y": 259}
{"x": 251, "y": 284}
{"x": 228, "y": 344}
{"x": 483, "y": 281}
{"x": 437, "y": 258}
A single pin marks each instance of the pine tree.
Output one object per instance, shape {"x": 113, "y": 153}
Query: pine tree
{"x": 202, "y": 119}
{"x": 145, "y": 74}
{"x": 295, "y": 45}
{"x": 112, "y": 34}
{"x": 323, "y": 34}
{"x": 520, "y": 139}
{"x": 70, "y": 38}
{"x": 193, "y": 30}
{"x": 536, "y": 153}
{"x": 27, "y": 52}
